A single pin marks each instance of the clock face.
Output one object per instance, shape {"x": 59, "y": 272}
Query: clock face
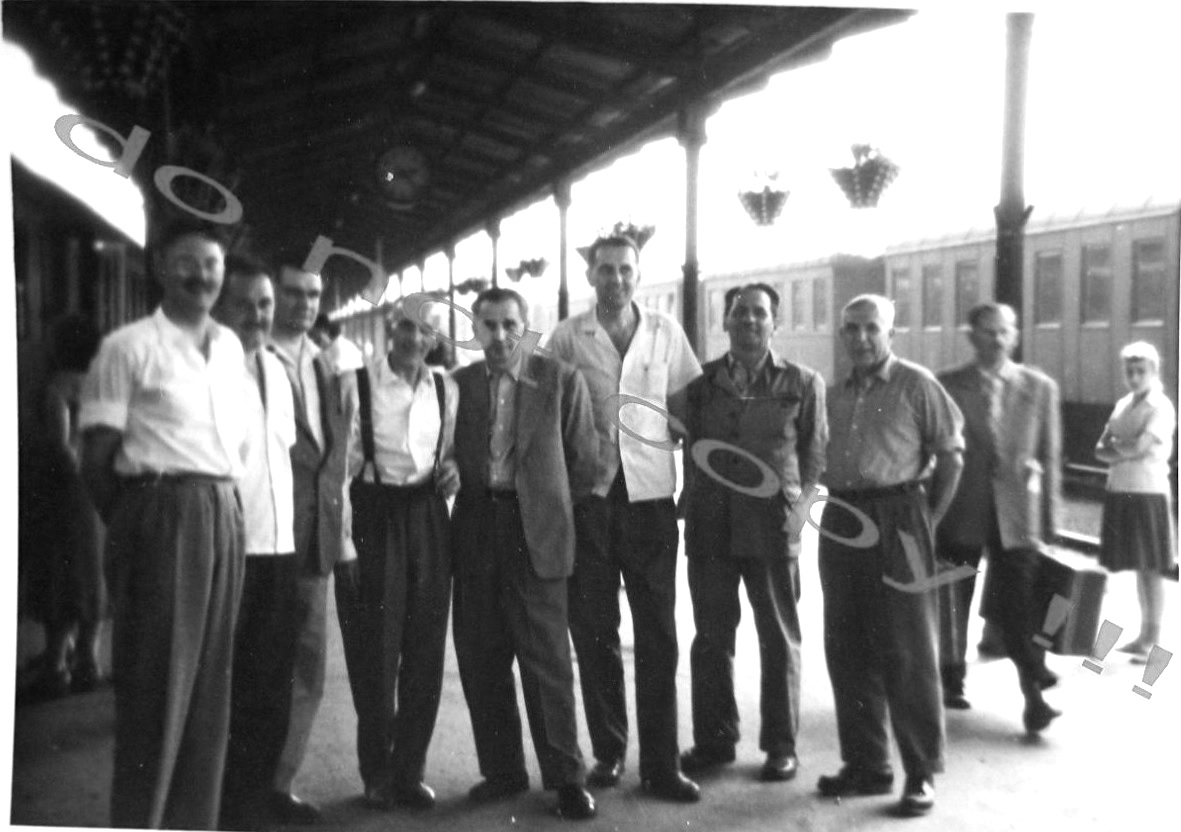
{"x": 403, "y": 173}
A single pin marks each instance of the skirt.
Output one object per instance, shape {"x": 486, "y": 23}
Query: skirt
{"x": 1138, "y": 532}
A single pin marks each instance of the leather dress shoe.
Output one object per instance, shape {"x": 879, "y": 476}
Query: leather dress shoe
{"x": 605, "y": 774}
{"x": 415, "y": 795}
{"x": 287, "y": 808}
{"x": 1038, "y": 716}
{"x": 676, "y": 787}
{"x": 992, "y": 650}
{"x": 498, "y": 788}
{"x": 918, "y": 797}
{"x": 855, "y": 781}
{"x": 575, "y": 803}
{"x": 956, "y": 701}
{"x": 1046, "y": 678}
{"x": 779, "y": 768}
{"x": 698, "y": 759}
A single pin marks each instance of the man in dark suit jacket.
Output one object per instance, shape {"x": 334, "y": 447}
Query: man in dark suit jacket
{"x": 1007, "y": 501}
{"x": 736, "y": 527}
{"x": 525, "y": 444}
{"x": 323, "y": 527}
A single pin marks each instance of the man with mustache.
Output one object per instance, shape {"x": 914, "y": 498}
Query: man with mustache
{"x": 628, "y": 528}
{"x": 323, "y": 535}
{"x": 525, "y": 444}
{"x": 163, "y": 418}
{"x": 402, "y": 468}
{"x": 264, "y": 646}
{"x": 736, "y": 519}
{"x": 895, "y": 455}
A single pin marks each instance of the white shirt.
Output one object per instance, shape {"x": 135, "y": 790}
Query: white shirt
{"x": 1155, "y": 415}
{"x": 659, "y": 362}
{"x": 267, "y": 486}
{"x": 405, "y": 426}
{"x": 178, "y": 413}
{"x": 303, "y": 375}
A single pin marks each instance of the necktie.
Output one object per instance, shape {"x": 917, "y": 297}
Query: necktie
{"x": 741, "y": 377}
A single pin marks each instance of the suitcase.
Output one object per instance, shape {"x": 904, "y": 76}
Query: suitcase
{"x": 1080, "y": 584}
{"x": 1074, "y": 578}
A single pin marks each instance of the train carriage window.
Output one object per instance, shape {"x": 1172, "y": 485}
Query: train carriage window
{"x": 1095, "y": 283}
{"x": 819, "y": 303}
{"x": 797, "y": 304}
{"x": 967, "y": 289}
{"x": 1148, "y": 280}
{"x": 900, "y": 294}
{"x": 932, "y": 295}
{"x": 1047, "y": 279}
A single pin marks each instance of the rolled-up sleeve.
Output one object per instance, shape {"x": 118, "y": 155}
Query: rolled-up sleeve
{"x": 683, "y": 365}
{"x": 107, "y": 391}
{"x": 943, "y": 423}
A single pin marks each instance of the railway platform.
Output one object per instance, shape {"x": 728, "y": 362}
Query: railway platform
{"x": 1107, "y": 764}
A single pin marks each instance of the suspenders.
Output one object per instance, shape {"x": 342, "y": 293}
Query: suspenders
{"x": 364, "y": 394}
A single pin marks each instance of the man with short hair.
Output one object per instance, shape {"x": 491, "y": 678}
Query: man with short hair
{"x": 736, "y": 522}
{"x": 402, "y": 468}
{"x": 1007, "y": 501}
{"x": 628, "y": 527}
{"x": 525, "y": 445}
{"x": 163, "y": 420}
{"x": 887, "y": 421}
{"x": 264, "y": 644}
{"x": 323, "y": 543}
{"x": 341, "y": 354}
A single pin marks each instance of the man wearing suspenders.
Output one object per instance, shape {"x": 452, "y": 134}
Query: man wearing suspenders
{"x": 402, "y": 467}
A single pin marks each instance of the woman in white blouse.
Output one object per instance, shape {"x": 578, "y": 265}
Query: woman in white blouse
{"x": 1138, "y": 528}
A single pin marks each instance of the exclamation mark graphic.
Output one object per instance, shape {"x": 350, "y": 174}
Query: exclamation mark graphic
{"x": 1158, "y": 660}
{"x": 1108, "y": 635}
{"x": 1055, "y": 618}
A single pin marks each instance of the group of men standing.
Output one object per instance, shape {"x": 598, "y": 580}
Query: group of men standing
{"x": 237, "y": 474}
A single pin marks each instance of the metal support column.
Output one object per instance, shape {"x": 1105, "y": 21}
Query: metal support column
{"x": 1012, "y": 213}
{"x": 493, "y": 229}
{"x": 562, "y": 198}
{"x": 691, "y": 136}
{"x": 450, "y": 252}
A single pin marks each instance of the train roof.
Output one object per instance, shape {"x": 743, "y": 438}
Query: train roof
{"x": 1154, "y": 206}
{"x": 31, "y": 190}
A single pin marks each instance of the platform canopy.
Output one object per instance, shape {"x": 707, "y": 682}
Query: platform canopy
{"x": 399, "y": 128}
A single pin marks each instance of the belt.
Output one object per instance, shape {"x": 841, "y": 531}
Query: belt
{"x": 174, "y": 478}
{"x": 501, "y": 494}
{"x": 417, "y": 488}
{"x": 854, "y": 494}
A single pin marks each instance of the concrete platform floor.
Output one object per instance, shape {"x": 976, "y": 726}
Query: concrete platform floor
{"x": 1108, "y": 763}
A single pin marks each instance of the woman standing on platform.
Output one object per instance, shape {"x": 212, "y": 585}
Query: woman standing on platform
{"x": 1138, "y": 528}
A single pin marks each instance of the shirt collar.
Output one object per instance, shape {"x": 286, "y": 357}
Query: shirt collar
{"x": 765, "y": 367}
{"x": 1006, "y": 372}
{"x": 882, "y": 372}
{"x": 384, "y": 374}
{"x": 591, "y": 324}
{"x": 170, "y": 332}
{"x": 513, "y": 370}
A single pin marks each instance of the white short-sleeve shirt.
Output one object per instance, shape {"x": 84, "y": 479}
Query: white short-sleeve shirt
{"x": 266, "y": 486}
{"x": 178, "y": 412}
{"x": 659, "y": 362}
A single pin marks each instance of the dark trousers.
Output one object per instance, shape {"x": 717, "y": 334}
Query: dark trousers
{"x": 638, "y": 541}
{"x": 773, "y": 588}
{"x": 176, "y": 552}
{"x": 404, "y": 595}
{"x": 880, "y": 642}
{"x": 503, "y": 610}
{"x": 1010, "y": 605}
{"x": 260, "y": 706}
